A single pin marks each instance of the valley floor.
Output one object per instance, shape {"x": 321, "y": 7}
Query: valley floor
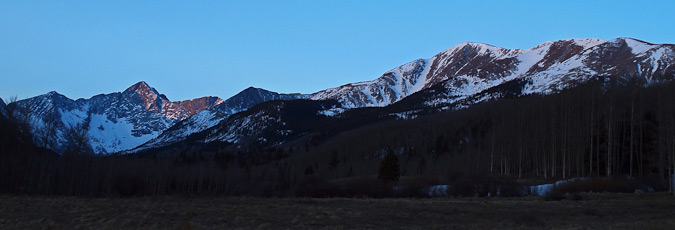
{"x": 595, "y": 211}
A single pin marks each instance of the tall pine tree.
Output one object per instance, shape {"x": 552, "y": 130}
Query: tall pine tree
{"x": 389, "y": 168}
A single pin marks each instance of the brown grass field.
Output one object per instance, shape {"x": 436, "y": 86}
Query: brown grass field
{"x": 595, "y": 211}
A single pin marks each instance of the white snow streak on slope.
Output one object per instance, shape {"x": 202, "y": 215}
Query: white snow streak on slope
{"x": 529, "y": 58}
{"x": 423, "y": 80}
{"x": 367, "y": 91}
{"x": 73, "y": 117}
{"x": 114, "y": 136}
{"x": 398, "y": 83}
{"x": 573, "y": 67}
{"x": 637, "y": 47}
{"x": 656, "y": 57}
{"x": 411, "y": 84}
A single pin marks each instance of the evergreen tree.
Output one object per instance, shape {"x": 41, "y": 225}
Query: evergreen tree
{"x": 389, "y": 168}
{"x": 334, "y": 160}
{"x": 309, "y": 171}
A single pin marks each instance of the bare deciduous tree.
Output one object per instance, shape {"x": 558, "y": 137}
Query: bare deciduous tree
{"x": 77, "y": 139}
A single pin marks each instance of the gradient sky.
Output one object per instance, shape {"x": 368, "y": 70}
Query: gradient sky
{"x": 189, "y": 49}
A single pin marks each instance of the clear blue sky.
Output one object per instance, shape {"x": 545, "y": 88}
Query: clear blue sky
{"x": 188, "y": 49}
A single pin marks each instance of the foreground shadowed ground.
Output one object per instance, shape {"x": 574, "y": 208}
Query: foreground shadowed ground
{"x": 596, "y": 211}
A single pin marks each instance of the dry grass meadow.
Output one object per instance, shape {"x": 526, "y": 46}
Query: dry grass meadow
{"x": 594, "y": 211}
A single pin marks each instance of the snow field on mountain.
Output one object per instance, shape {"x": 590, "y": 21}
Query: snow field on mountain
{"x": 109, "y": 137}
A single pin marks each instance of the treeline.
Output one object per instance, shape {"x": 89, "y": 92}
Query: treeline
{"x": 603, "y": 128}
{"x": 26, "y": 169}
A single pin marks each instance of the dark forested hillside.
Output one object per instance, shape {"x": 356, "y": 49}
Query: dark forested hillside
{"x": 603, "y": 128}
{"x": 24, "y": 167}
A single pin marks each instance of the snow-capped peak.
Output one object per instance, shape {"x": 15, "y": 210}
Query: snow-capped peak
{"x": 472, "y": 67}
{"x": 116, "y": 121}
{"x": 152, "y": 100}
{"x": 142, "y": 87}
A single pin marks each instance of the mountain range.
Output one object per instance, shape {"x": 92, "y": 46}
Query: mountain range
{"x": 459, "y": 77}
{"x": 123, "y": 120}
{"x": 142, "y": 119}
{"x": 470, "y": 68}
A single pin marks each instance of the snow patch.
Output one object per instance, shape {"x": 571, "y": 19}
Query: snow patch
{"x": 530, "y": 57}
{"x": 587, "y": 42}
{"x": 107, "y": 136}
{"x": 638, "y": 47}
{"x": 544, "y": 189}
{"x": 408, "y": 115}
{"x": 331, "y": 112}
{"x": 438, "y": 190}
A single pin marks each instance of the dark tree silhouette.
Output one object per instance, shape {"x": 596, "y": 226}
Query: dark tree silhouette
{"x": 309, "y": 171}
{"x": 77, "y": 140}
{"x": 334, "y": 160}
{"x": 389, "y": 168}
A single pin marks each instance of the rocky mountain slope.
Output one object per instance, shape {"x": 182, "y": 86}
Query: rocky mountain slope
{"x": 113, "y": 122}
{"x": 470, "y": 68}
{"x": 124, "y": 120}
{"x": 461, "y": 76}
{"x": 211, "y": 117}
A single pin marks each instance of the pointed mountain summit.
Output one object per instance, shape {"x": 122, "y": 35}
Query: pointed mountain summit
{"x": 114, "y": 122}
{"x": 152, "y": 100}
{"x": 155, "y": 102}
